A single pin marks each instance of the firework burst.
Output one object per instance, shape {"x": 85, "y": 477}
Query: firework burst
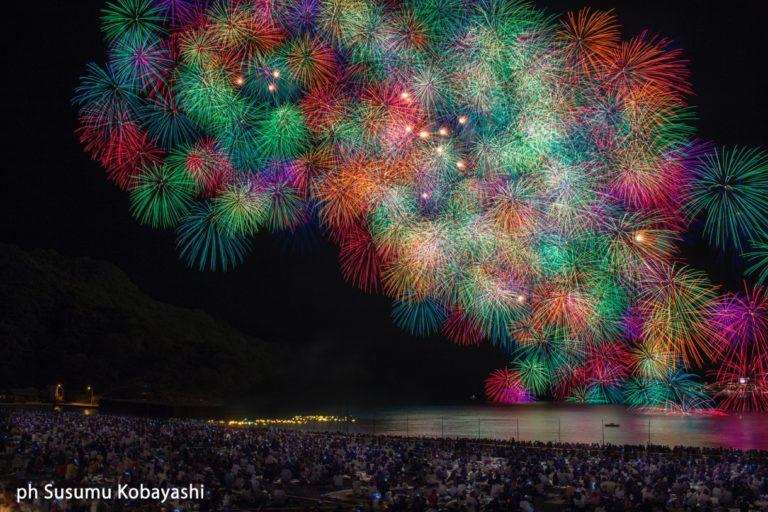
{"x": 505, "y": 387}
{"x": 499, "y": 174}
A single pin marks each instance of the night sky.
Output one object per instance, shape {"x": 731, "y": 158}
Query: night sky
{"x": 53, "y": 196}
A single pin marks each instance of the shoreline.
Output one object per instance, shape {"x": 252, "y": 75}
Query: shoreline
{"x": 326, "y": 429}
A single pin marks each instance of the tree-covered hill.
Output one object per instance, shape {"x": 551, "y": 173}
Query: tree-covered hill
{"x": 83, "y": 322}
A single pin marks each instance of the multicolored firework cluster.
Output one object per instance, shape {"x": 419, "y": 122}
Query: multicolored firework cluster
{"x": 501, "y": 174}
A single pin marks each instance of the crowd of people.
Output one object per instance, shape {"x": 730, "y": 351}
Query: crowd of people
{"x": 250, "y": 468}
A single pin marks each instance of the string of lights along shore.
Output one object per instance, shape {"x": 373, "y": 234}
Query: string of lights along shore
{"x": 503, "y": 174}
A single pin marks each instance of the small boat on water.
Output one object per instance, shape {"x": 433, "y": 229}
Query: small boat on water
{"x": 612, "y": 425}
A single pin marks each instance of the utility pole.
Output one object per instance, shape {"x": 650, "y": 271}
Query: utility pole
{"x": 602, "y": 425}
{"x": 517, "y": 421}
{"x": 649, "y": 431}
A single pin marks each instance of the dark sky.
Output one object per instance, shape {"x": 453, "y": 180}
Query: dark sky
{"x": 53, "y": 196}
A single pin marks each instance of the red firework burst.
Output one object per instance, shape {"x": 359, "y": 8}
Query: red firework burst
{"x": 741, "y": 324}
{"x": 504, "y": 386}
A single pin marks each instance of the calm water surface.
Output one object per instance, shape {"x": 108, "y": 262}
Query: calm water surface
{"x": 568, "y": 423}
